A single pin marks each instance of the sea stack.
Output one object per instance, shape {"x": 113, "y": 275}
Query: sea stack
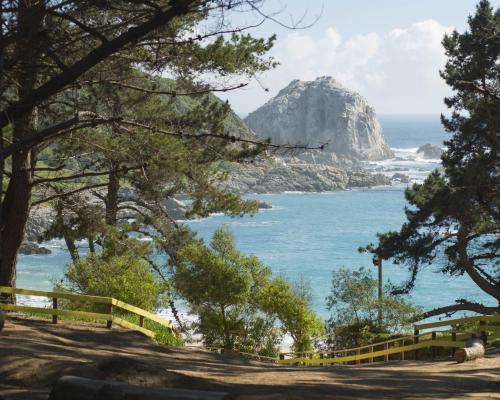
{"x": 318, "y": 112}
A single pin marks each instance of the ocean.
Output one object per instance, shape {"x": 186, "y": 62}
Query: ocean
{"x": 309, "y": 235}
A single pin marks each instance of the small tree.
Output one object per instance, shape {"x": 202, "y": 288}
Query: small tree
{"x": 354, "y": 304}
{"x": 278, "y": 298}
{"x": 219, "y": 283}
{"x": 118, "y": 272}
{"x": 238, "y": 303}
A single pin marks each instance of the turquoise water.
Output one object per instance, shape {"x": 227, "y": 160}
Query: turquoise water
{"x": 310, "y": 235}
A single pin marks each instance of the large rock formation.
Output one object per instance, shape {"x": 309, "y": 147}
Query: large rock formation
{"x": 429, "y": 151}
{"x": 318, "y": 112}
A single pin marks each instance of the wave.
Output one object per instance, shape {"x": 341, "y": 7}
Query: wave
{"x": 404, "y": 150}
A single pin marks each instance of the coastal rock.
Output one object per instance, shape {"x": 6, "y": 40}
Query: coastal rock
{"x": 399, "y": 177}
{"x": 319, "y": 112}
{"x": 30, "y": 248}
{"x": 39, "y": 220}
{"x": 363, "y": 178}
{"x": 264, "y": 206}
{"x": 278, "y": 176}
{"x": 429, "y": 151}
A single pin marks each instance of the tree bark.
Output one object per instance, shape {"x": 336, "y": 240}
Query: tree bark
{"x": 469, "y": 353}
{"x": 111, "y": 200}
{"x": 462, "y": 306}
{"x": 470, "y": 268}
{"x": 227, "y": 335}
{"x": 16, "y": 203}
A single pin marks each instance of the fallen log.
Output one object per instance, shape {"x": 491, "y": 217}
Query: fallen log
{"x": 469, "y": 353}
{"x": 76, "y": 388}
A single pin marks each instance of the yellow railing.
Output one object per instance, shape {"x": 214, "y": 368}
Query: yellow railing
{"x": 453, "y": 339}
{"x": 110, "y": 304}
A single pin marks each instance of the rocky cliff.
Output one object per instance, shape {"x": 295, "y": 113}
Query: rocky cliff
{"x": 318, "y": 112}
{"x": 277, "y": 175}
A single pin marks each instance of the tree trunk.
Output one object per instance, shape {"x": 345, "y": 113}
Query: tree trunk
{"x": 16, "y": 203}
{"x": 73, "y": 251}
{"x": 470, "y": 268}
{"x": 112, "y": 195}
{"x": 227, "y": 334}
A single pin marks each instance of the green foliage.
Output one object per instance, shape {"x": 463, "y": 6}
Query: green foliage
{"x": 354, "y": 305}
{"x": 277, "y": 298}
{"x": 219, "y": 283}
{"x": 238, "y": 302}
{"x": 163, "y": 335}
{"x": 124, "y": 277}
{"x": 453, "y": 222}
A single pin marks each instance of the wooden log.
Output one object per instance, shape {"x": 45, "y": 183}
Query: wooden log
{"x": 2, "y": 319}
{"x": 469, "y": 353}
{"x": 76, "y": 388}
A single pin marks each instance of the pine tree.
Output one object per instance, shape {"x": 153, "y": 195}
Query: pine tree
{"x": 453, "y": 216}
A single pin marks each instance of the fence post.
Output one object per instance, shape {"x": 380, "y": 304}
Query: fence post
{"x": 415, "y": 341}
{"x": 141, "y": 321}
{"x": 484, "y": 336}
{"x": 453, "y": 339}
{"x": 433, "y": 346}
{"x": 371, "y": 351}
{"x": 110, "y": 312}
{"x": 321, "y": 355}
{"x": 54, "y": 306}
{"x": 386, "y": 347}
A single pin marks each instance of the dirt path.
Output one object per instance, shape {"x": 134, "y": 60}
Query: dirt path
{"x": 33, "y": 354}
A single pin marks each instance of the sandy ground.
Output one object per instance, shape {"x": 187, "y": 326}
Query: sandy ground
{"x": 33, "y": 354}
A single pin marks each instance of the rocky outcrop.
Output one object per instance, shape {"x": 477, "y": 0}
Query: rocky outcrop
{"x": 277, "y": 176}
{"x": 318, "y": 112}
{"x": 30, "y": 248}
{"x": 429, "y": 151}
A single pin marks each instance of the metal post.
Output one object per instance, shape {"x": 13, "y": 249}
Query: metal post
{"x": 378, "y": 263}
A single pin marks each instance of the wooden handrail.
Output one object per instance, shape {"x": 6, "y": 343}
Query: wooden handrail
{"x": 371, "y": 355}
{"x": 108, "y": 317}
{"x": 456, "y": 321}
{"x": 415, "y": 338}
{"x": 58, "y": 295}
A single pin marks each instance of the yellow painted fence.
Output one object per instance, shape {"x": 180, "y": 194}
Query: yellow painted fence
{"x": 451, "y": 338}
{"x": 382, "y": 350}
{"x": 110, "y": 304}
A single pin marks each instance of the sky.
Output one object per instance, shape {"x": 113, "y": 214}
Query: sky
{"x": 387, "y": 50}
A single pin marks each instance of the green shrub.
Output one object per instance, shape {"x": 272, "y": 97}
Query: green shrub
{"x": 126, "y": 278}
{"x": 354, "y": 306}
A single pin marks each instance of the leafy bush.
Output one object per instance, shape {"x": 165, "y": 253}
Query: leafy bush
{"x": 278, "y": 299}
{"x": 125, "y": 278}
{"x": 354, "y": 305}
{"x": 237, "y": 301}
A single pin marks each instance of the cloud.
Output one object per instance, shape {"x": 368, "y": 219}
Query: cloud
{"x": 397, "y": 71}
